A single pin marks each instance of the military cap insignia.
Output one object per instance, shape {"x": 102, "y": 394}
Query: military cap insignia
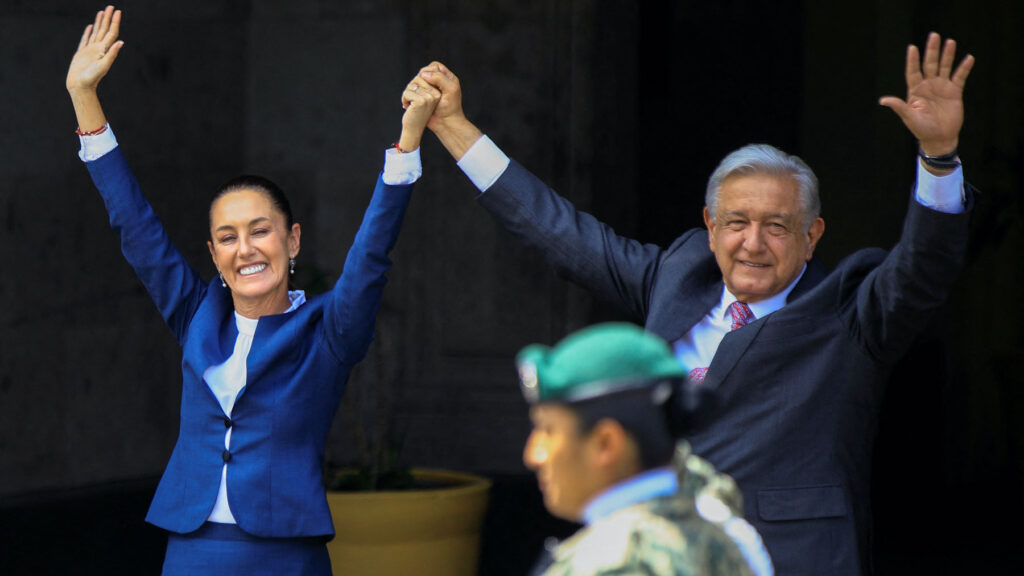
{"x": 528, "y": 381}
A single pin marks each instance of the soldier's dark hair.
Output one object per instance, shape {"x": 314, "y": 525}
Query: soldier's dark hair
{"x": 644, "y": 420}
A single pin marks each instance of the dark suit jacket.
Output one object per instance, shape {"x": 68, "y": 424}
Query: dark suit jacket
{"x": 800, "y": 388}
{"x": 296, "y": 370}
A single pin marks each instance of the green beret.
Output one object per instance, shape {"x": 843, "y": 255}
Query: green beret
{"x": 602, "y": 359}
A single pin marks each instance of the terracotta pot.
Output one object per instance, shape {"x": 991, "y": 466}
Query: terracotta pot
{"x": 434, "y": 531}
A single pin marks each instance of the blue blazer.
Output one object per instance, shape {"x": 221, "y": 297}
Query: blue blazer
{"x": 800, "y": 387}
{"x": 297, "y": 369}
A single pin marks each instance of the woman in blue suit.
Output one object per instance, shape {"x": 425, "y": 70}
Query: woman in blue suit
{"x": 263, "y": 367}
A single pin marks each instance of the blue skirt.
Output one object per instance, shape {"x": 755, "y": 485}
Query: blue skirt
{"x": 226, "y": 549}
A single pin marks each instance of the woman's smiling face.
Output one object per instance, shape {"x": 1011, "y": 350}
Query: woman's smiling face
{"x": 251, "y": 245}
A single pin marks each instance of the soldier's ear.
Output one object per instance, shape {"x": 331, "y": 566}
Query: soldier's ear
{"x": 608, "y": 444}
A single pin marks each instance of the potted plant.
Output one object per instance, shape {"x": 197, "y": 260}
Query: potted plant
{"x": 390, "y": 518}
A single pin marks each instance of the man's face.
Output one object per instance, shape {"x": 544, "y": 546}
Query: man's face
{"x": 562, "y": 459}
{"x": 757, "y": 234}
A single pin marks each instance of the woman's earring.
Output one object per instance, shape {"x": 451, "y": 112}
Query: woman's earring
{"x": 222, "y": 282}
{"x": 291, "y": 265}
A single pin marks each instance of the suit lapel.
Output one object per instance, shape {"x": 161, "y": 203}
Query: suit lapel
{"x": 735, "y": 343}
{"x": 729, "y": 352}
{"x": 691, "y": 296}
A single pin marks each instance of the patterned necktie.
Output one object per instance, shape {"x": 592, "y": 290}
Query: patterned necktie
{"x": 741, "y": 316}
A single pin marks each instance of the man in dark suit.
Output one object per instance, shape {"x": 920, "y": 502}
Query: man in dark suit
{"x": 799, "y": 355}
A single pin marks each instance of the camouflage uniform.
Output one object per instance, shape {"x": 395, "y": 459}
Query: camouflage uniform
{"x": 689, "y": 527}
{"x": 719, "y": 501}
{"x": 667, "y": 535}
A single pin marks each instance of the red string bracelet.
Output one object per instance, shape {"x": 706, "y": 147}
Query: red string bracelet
{"x": 99, "y": 130}
{"x": 399, "y": 148}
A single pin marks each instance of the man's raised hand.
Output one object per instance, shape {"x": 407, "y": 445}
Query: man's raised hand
{"x": 934, "y": 108}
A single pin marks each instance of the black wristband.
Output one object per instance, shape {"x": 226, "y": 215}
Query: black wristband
{"x": 945, "y": 162}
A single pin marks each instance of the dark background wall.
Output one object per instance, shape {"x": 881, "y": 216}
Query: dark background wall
{"x": 623, "y": 107}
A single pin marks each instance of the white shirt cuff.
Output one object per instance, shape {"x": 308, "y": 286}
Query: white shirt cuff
{"x": 483, "y": 163}
{"x": 94, "y": 147}
{"x": 401, "y": 168}
{"x": 941, "y": 193}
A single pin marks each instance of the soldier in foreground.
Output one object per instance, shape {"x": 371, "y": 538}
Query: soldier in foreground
{"x": 603, "y": 447}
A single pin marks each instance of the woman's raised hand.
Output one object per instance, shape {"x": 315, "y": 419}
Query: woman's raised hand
{"x": 96, "y": 53}
{"x": 419, "y": 100}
